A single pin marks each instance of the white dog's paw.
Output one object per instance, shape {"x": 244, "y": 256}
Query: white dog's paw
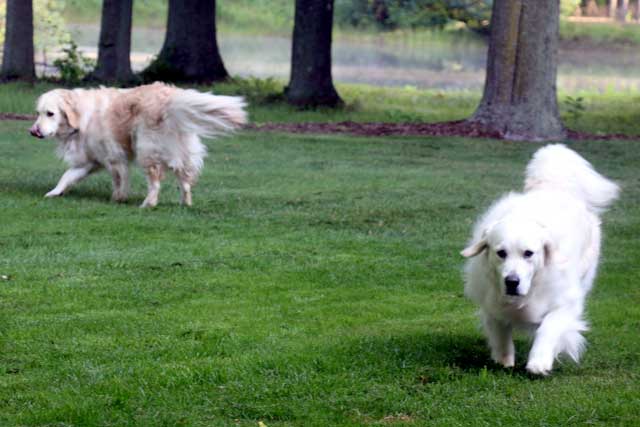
{"x": 53, "y": 193}
{"x": 539, "y": 366}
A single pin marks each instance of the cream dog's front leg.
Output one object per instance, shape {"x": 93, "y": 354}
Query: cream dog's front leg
{"x": 71, "y": 177}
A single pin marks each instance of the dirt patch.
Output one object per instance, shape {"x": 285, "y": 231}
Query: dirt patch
{"x": 455, "y": 128}
{"x": 15, "y": 116}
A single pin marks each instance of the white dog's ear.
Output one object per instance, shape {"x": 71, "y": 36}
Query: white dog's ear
{"x": 549, "y": 252}
{"x": 68, "y": 107}
{"x": 475, "y": 248}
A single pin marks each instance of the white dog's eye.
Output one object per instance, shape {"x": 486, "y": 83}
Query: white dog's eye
{"x": 502, "y": 253}
{"x": 527, "y": 253}
{"x": 49, "y": 113}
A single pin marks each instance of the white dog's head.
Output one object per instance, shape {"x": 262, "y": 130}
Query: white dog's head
{"x": 516, "y": 249}
{"x": 57, "y": 115}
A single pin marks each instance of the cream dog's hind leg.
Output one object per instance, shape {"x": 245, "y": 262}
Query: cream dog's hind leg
{"x": 120, "y": 179}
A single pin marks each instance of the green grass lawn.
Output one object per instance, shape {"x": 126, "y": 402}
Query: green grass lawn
{"x": 315, "y": 282}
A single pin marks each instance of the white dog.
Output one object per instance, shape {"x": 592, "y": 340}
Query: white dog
{"x": 158, "y": 125}
{"x": 534, "y": 255}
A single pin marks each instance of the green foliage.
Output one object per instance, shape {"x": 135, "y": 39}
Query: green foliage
{"x": 568, "y": 7}
{"x": 261, "y": 91}
{"x": 574, "y": 108}
{"x": 600, "y": 32}
{"x": 73, "y": 66}
{"x": 394, "y": 14}
{"x": 145, "y": 12}
{"x": 49, "y": 24}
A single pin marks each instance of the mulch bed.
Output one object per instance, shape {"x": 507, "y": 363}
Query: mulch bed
{"x": 14, "y": 116}
{"x": 455, "y": 128}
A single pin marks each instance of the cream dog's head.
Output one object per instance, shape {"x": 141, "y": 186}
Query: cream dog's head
{"x": 516, "y": 249}
{"x": 57, "y": 115}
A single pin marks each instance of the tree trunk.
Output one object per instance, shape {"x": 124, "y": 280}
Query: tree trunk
{"x": 17, "y": 61}
{"x": 519, "y": 99}
{"x": 592, "y": 8}
{"x": 311, "y": 84}
{"x": 114, "y": 47}
{"x": 190, "y": 51}
{"x": 613, "y": 8}
{"x": 623, "y": 9}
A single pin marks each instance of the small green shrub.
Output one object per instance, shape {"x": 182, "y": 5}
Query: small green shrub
{"x": 74, "y": 66}
{"x": 258, "y": 90}
{"x": 575, "y": 108}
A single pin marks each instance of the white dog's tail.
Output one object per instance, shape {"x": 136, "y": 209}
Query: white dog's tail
{"x": 559, "y": 168}
{"x": 205, "y": 114}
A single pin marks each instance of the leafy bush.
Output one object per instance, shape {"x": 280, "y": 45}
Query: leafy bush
{"x": 568, "y": 7}
{"x": 575, "y": 108}
{"x": 258, "y": 90}
{"x": 393, "y": 14}
{"x": 73, "y": 66}
{"x": 49, "y": 30}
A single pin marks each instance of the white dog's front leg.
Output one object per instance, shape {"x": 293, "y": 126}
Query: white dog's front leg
{"x": 559, "y": 332}
{"x": 69, "y": 178}
{"x": 500, "y": 339}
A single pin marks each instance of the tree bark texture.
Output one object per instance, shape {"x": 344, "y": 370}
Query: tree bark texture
{"x": 623, "y": 9}
{"x": 190, "y": 52}
{"x": 520, "y": 99}
{"x": 311, "y": 84}
{"x": 17, "y": 61}
{"x": 613, "y": 8}
{"x": 114, "y": 47}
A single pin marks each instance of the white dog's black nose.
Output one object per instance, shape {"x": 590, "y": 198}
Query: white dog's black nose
{"x": 512, "y": 281}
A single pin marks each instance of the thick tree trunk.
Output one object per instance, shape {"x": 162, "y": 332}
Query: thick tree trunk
{"x": 591, "y": 9}
{"x": 190, "y": 51}
{"x": 613, "y": 8}
{"x": 114, "y": 47}
{"x": 623, "y": 9}
{"x": 520, "y": 99}
{"x": 311, "y": 84}
{"x": 17, "y": 61}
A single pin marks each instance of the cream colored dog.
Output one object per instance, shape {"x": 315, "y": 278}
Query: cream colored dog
{"x": 534, "y": 256}
{"x": 158, "y": 125}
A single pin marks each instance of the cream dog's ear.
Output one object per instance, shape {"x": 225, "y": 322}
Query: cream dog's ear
{"x": 70, "y": 110}
{"x": 475, "y": 248}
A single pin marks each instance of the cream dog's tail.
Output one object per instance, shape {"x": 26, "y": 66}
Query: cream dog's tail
{"x": 205, "y": 114}
{"x": 557, "y": 167}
